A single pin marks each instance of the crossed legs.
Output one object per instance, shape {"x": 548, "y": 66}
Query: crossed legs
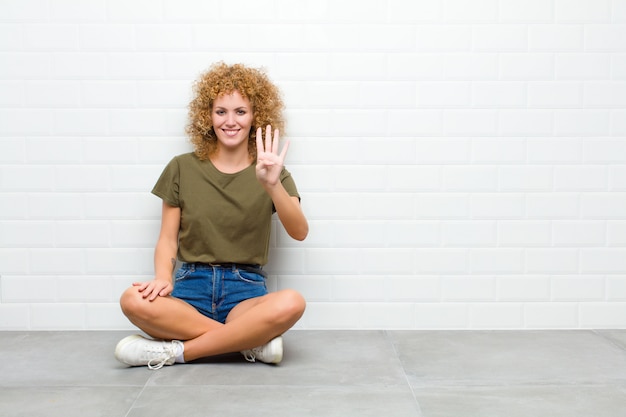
{"x": 251, "y": 323}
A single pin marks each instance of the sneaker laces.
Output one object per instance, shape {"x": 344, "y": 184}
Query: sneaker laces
{"x": 168, "y": 352}
{"x": 250, "y": 355}
{"x": 264, "y": 352}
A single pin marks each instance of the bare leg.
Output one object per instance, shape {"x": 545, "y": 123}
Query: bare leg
{"x": 251, "y": 323}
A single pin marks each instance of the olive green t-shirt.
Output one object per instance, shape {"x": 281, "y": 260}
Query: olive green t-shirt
{"x": 224, "y": 217}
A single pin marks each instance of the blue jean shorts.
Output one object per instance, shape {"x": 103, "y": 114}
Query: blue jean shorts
{"x": 214, "y": 290}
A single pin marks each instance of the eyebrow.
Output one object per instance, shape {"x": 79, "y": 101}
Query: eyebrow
{"x": 237, "y": 108}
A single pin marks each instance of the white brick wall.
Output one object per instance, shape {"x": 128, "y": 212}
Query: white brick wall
{"x": 462, "y": 164}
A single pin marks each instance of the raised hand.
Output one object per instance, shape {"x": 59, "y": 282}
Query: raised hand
{"x": 269, "y": 162}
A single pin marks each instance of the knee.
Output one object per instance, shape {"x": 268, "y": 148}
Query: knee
{"x": 127, "y": 301}
{"x": 292, "y": 305}
{"x": 133, "y": 305}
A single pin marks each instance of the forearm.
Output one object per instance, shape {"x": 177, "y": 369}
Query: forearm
{"x": 269, "y": 166}
{"x": 164, "y": 260}
{"x": 289, "y": 212}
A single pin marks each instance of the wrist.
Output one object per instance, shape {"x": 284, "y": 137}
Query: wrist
{"x": 273, "y": 189}
{"x": 163, "y": 278}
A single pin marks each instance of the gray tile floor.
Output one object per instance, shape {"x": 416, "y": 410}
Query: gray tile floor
{"x": 327, "y": 373}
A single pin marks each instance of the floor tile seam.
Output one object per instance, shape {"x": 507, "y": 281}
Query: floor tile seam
{"x": 610, "y": 339}
{"x": 501, "y": 384}
{"x": 389, "y": 340}
{"x": 137, "y": 397}
{"x": 283, "y": 386}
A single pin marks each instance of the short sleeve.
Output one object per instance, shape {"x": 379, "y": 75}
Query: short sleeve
{"x": 290, "y": 186}
{"x": 168, "y": 184}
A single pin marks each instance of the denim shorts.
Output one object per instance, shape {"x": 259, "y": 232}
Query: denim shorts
{"x": 214, "y": 290}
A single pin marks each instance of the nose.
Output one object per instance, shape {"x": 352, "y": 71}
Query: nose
{"x": 230, "y": 119}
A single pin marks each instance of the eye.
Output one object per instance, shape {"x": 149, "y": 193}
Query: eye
{"x": 220, "y": 112}
{"x": 241, "y": 112}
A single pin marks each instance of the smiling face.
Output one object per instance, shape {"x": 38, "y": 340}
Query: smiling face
{"x": 232, "y": 121}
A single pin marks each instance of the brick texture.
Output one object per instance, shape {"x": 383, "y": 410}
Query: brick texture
{"x": 462, "y": 164}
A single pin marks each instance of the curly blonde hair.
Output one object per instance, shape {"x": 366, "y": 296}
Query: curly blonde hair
{"x": 251, "y": 83}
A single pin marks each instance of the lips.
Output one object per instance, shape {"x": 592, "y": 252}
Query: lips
{"x": 230, "y": 132}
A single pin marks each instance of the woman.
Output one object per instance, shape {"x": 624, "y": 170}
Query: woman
{"x": 216, "y": 219}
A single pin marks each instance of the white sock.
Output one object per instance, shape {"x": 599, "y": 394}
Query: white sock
{"x": 180, "y": 349}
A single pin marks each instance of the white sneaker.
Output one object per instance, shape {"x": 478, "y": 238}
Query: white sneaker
{"x": 271, "y": 352}
{"x": 137, "y": 350}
